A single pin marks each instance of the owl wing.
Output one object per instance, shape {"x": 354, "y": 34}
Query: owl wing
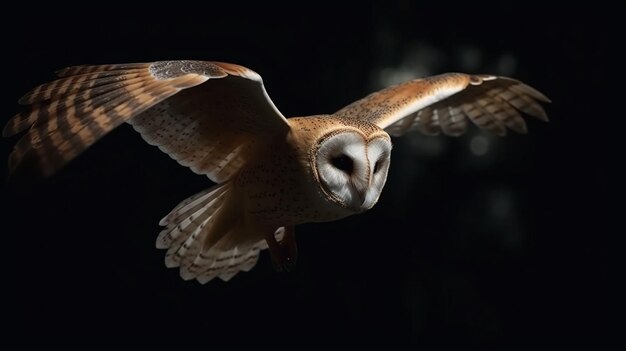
{"x": 203, "y": 114}
{"x": 444, "y": 103}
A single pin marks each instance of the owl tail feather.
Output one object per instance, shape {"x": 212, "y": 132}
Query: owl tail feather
{"x": 205, "y": 236}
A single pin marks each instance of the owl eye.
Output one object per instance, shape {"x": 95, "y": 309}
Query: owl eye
{"x": 343, "y": 162}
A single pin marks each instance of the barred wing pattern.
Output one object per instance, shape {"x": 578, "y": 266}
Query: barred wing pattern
{"x": 444, "y": 103}
{"x": 205, "y": 115}
{"x": 68, "y": 115}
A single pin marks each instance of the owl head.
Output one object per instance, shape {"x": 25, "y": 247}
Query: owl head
{"x": 351, "y": 164}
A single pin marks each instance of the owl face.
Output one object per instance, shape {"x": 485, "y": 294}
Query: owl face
{"x": 352, "y": 167}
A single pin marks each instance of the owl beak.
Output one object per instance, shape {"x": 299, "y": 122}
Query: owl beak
{"x": 361, "y": 186}
{"x": 361, "y": 193}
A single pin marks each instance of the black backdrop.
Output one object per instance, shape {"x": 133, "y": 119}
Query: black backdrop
{"x": 508, "y": 248}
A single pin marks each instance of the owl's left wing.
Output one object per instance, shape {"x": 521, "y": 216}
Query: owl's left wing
{"x": 444, "y": 103}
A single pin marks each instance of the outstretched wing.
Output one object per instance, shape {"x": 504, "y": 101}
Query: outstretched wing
{"x": 444, "y": 103}
{"x": 203, "y": 114}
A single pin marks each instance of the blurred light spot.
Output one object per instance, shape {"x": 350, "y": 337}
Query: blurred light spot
{"x": 420, "y": 60}
{"x": 471, "y": 59}
{"x": 479, "y": 145}
{"x": 390, "y": 76}
{"x": 501, "y": 204}
{"x": 424, "y": 146}
{"x": 506, "y": 65}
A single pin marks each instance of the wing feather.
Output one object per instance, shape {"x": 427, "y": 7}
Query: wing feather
{"x": 81, "y": 83}
{"x": 446, "y": 102}
{"x": 66, "y": 116}
{"x": 457, "y": 120}
{"x": 85, "y": 69}
{"x": 426, "y": 121}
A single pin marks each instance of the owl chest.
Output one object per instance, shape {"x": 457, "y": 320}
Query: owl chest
{"x": 280, "y": 189}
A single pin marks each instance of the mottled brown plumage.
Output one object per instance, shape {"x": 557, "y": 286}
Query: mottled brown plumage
{"x": 272, "y": 173}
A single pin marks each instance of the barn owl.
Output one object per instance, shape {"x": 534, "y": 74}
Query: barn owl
{"x": 271, "y": 172}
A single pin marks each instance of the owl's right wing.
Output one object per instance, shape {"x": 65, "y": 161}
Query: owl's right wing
{"x": 203, "y": 114}
{"x": 446, "y": 102}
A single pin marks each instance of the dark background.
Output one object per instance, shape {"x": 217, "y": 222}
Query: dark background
{"x": 506, "y": 248}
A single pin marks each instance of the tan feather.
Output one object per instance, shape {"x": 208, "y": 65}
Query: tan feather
{"x": 85, "y": 69}
{"x": 426, "y": 122}
{"x": 84, "y": 82}
{"x": 211, "y": 128}
{"x": 457, "y": 121}
{"x": 502, "y": 111}
{"x": 186, "y": 217}
{"x": 483, "y": 119}
{"x": 526, "y": 104}
{"x": 226, "y": 264}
